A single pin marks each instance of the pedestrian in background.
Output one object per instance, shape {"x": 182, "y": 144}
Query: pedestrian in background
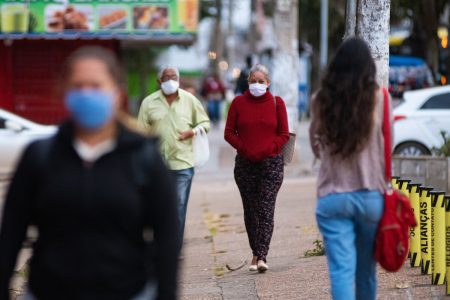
{"x": 257, "y": 128}
{"x": 242, "y": 81}
{"x": 94, "y": 198}
{"x": 176, "y": 116}
{"x": 346, "y": 135}
{"x": 214, "y": 92}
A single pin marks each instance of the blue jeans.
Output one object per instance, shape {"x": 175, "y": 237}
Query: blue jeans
{"x": 183, "y": 181}
{"x": 214, "y": 110}
{"x": 348, "y": 223}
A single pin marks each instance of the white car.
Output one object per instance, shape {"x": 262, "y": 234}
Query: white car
{"x": 420, "y": 119}
{"x": 15, "y": 134}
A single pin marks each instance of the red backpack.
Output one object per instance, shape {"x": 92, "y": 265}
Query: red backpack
{"x": 392, "y": 239}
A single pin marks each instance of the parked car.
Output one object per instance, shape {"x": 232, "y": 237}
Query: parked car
{"x": 15, "y": 134}
{"x": 420, "y": 119}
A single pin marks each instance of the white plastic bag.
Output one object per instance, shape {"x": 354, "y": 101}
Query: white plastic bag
{"x": 201, "y": 147}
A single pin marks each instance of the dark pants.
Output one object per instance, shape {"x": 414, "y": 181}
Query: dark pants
{"x": 183, "y": 180}
{"x": 259, "y": 184}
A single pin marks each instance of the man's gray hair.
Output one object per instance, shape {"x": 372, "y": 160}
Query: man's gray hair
{"x": 259, "y": 68}
{"x": 168, "y": 67}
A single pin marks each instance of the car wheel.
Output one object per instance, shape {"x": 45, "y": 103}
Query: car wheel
{"x": 411, "y": 149}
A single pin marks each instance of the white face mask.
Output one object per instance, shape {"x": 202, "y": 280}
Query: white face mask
{"x": 170, "y": 87}
{"x": 257, "y": 89}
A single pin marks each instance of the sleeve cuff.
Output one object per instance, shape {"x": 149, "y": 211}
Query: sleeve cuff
{"x": 199, "y": 129}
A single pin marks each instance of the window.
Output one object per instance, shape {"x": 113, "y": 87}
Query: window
{"x": 438, "y": 102}
{"x": 2, "y": 123}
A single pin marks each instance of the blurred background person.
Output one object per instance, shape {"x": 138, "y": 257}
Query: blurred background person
{"x": 257, "y": 128}
{"x": 347, "y": 136}
{"x": 176, "y": 116}
{"x": 214, "y": 92}
{"x": 94, "y": 198}
{"x": 191, "y": 89}
{"x": 242, "y": 81}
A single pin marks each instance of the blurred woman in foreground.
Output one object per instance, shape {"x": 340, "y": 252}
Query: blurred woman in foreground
{"x": 100, "y": 196}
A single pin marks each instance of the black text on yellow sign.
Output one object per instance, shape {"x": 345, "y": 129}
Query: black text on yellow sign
{"x": 415, "y": 248}
{"x": 447, "y": 243}
{"x": 438, "y": 238}
{"x": 425, "y": 230}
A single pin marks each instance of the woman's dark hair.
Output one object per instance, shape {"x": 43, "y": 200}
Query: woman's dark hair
{"x": 98, "y": 53}
{"x": 345, "y": 102}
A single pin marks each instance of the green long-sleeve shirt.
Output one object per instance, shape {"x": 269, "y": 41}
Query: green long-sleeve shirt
{"x": 168, "y": 121}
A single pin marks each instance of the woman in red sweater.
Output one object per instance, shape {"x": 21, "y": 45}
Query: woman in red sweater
{"x": 257, "y": 128}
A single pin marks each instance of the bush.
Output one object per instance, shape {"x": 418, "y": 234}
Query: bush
{"x": 444, "y": 150}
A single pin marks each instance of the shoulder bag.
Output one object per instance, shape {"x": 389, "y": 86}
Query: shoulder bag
{"x": 392, "y": 238}
{"x": 288, "y": 148}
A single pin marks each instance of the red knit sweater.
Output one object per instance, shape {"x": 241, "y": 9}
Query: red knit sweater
{"x": 254, "y": 128}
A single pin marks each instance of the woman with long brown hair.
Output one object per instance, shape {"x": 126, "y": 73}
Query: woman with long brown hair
{"x": 98, "y": 194}
{"x": 346, "y": 135}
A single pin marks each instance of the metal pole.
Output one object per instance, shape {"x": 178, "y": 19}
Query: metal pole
{"x": 231, "y": 38}
{"x": 253, "y": 31}
{"x": 323, "y": 34}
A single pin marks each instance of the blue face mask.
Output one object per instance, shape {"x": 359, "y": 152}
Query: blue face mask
{"x": 91, "y": 109}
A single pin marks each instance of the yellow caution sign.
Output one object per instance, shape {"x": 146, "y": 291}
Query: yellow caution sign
{"x": 414, "y": 233}
{"x": 447, "y": 243}
{"x": 403, "y": 186}
{"x": 425, "y": 230}
{"x": 438, "y": 238}
{"x": 395, "y": 183}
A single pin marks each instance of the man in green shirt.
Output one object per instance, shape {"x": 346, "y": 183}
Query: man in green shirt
{"x": 176, "y": 116}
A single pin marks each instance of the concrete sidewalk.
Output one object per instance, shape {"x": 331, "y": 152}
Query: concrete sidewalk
{"x": 216, "y": 237}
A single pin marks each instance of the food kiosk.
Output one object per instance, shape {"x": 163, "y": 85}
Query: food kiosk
{"x": 36, "y": 36}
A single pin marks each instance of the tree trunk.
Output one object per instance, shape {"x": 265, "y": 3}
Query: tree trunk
{"x": 372, "y": 24}
{"x": 217, "y": 42}
{"x": 285, "y": 64}
{"x": 230, "y": 42}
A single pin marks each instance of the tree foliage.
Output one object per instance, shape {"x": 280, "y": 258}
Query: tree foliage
{"x": 401, "y": 9}
{"x": 425, "y": 16}
{"x": 208, "y": 8}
